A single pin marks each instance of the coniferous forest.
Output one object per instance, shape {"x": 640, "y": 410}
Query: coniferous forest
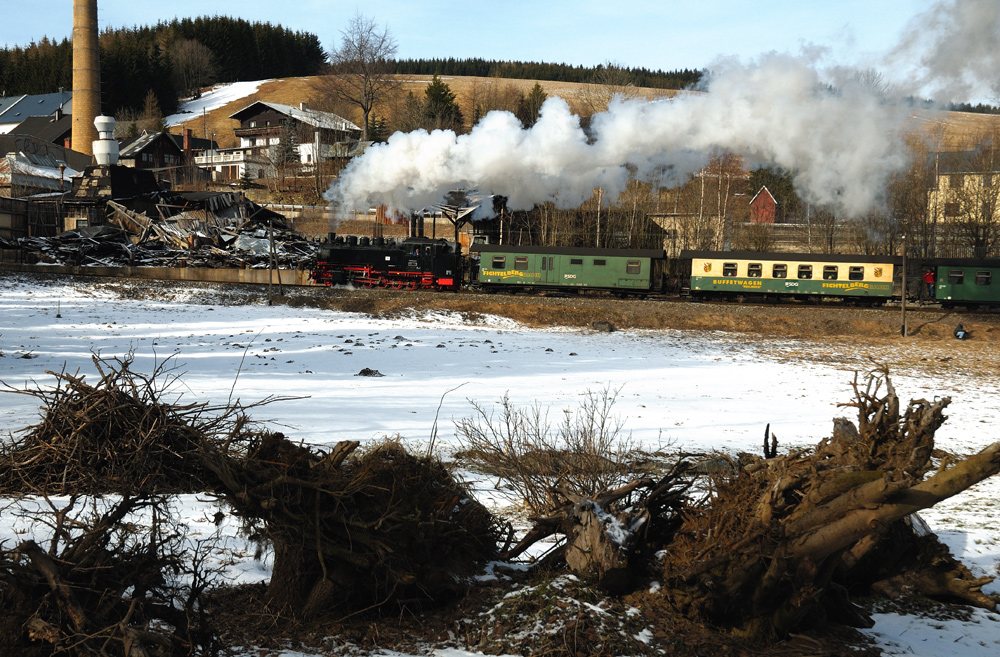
{"x": 137, "y": 60}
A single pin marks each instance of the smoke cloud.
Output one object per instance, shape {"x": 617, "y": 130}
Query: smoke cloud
{"x": 837, "y": 132}
{"x": 839, "y": 136}
{"x": 957, "y": 45}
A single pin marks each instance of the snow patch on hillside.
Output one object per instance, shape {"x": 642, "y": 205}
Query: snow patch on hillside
{"x": 218, "y": 96}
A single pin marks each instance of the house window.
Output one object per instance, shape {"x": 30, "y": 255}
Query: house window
{"x": 984, "y": 278}
{"x": 755, "y": 270}
{"x": 956, "y": 276}
{"x": 805, "y": 272}
{"x": 521, "y": 262}
{"x": 856, "y": 274}
{"x": 952, "y": 209}
{"x": 779, "y": 271}
{"x": 253, "y": 124}
{"x": 632, "y": 266}
{"x": 576, "y": 261}
{"x": 957, "y": 180}
{"x": 600, "y": 263}
{"x": 499, "y": 262}
{"x": 830, "y": 272}
{"x": 729, "y": 269}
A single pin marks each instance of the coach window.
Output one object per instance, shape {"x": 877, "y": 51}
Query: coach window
{"x": 729, "y": 269}
{"x": 633, "y": 266}
{"x": 956, "y": 276}
{"x": 830, "y": 272}
{"x": 499, "y": 262}
{"x": 805, "y": 271}
{"x": 779, "y": 271}
{"x": 576, "y": 261}
{"x": 600, "y": 263}
{"x": 856, "y": 274}
{"x": 520, "y": 262}
{"x": 755, "y": 270}
{"x": 984, "y": 278}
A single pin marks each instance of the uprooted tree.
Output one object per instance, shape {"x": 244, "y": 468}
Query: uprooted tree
{"x": 351, "y": 529}
{"x": 771, "y": 542}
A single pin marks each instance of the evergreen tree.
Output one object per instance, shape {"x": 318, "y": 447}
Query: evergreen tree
{"x": 441, "y": 111}
{"x": 529, "y": 106}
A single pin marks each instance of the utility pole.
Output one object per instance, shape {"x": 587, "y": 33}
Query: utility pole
{"x": 902, "y": 329}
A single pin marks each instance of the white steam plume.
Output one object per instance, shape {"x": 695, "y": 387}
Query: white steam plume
{"x": 957, "y": 44}
{"x": 838, "y": 137}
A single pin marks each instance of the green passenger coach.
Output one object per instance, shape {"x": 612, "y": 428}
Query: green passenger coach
{"x": 791, "y": 275}
{"x": 621, "y": 271}
{"x": 967, "y": 282}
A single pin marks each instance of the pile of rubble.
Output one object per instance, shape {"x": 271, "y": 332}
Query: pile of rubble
{"x": 131, "y": 238}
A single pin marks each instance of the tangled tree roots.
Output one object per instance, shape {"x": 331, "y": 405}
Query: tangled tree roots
{"x": 352, "y": 531}
{"x": 784, "y": 539}
{"x": 101, "y": 586}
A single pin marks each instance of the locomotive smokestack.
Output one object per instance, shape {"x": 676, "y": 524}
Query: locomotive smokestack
{"x": 86, "y": 76}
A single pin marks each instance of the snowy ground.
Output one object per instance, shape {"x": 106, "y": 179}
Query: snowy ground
{"x": 216, "y": 97}
{"x": 697, "y": 392}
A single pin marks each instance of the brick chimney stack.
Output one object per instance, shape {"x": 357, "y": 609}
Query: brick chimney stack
{"x": 86, "y": 76}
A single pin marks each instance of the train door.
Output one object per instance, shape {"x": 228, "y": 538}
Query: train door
{"x": 548, "y": 266}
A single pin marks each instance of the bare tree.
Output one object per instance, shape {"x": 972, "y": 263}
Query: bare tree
{"x": 131, "y": 123}
{"x": 491, "y": 94}
{"x": 872, "y": 80}
{"x": 609, "y": 81}
{"x": 361, "y": 68}
{"x": 193, "y": 66}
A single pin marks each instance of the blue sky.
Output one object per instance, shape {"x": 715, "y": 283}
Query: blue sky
{"x": 649, "y": 33}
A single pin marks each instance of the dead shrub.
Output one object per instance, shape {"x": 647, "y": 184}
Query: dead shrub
{"x": 586, "y": 454}
{"x": 117, "y": 435}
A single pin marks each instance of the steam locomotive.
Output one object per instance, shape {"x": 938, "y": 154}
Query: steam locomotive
{"x": 415, "y": 263}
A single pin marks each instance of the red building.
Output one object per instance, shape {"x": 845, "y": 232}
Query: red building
{"x": 763, "y": 207}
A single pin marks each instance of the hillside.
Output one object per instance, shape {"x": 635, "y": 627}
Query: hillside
{"x": 947, "y": 130}
{"x": 292, "y": 91}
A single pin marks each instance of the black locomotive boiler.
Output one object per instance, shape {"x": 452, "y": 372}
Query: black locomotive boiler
{"x": 414, "y": 263}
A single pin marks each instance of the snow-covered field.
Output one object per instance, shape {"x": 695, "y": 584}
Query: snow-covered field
{"x": 697, "y": 392}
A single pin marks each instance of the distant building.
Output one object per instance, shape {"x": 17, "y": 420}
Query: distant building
{"x": 320, "y": 136}
{"x": 29, "y": 166}
{"x": 155, "y": 151}
{"x": 963, "y": 202}
{"x": 763, "y": 207}
{"x": 54, "y": 128}
{"x": 15, "y": 110}
{"x": 167, "y": 155}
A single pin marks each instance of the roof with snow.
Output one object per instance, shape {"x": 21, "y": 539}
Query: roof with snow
{"x": 315, "y": 118}
{"x": 130, "y": 147}
{"x": 764, "y": 190}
